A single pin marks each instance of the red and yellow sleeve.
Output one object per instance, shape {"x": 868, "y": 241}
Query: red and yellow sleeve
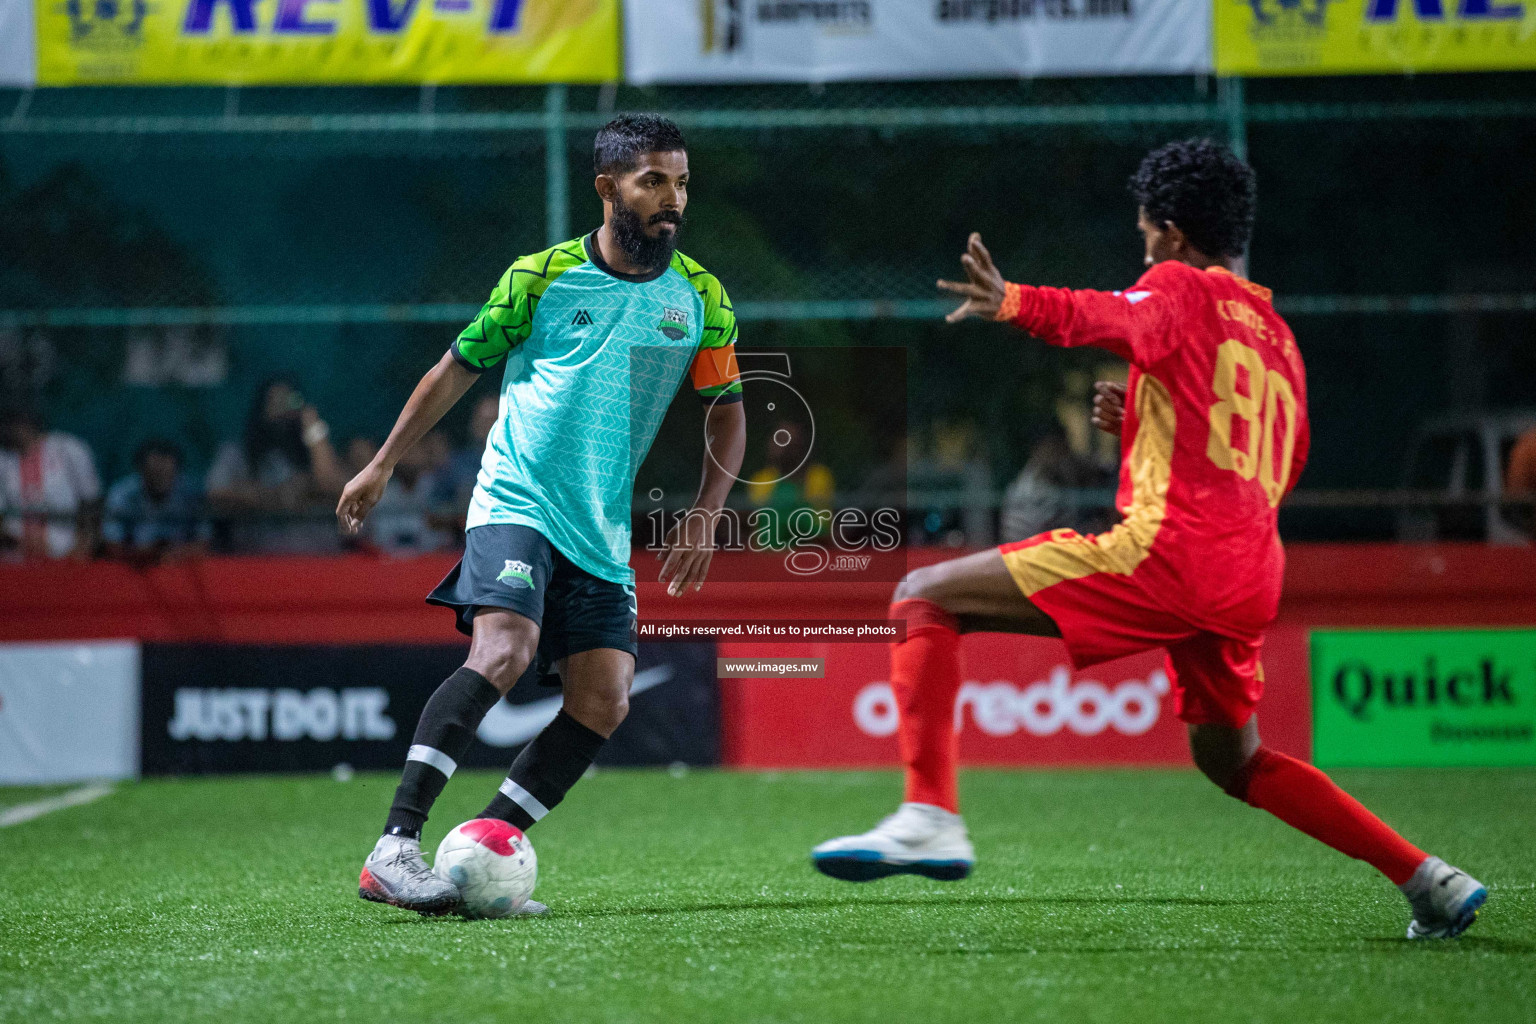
{"x": 1135, "y": 324}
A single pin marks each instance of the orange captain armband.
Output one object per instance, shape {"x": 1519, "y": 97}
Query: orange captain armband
{"x": 1013, "y": 300}
{"x": 715, "y": 367}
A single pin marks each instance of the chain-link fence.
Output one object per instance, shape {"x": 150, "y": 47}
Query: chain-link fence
{"x": 167, "y": 249}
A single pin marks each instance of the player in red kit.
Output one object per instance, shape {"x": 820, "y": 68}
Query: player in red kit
{"x": 1213, "y": 425}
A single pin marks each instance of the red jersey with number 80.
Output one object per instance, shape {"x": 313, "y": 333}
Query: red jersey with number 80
{"x": 1215, "y": 434}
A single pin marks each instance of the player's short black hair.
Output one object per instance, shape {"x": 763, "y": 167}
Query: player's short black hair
{"x": 20, "y": 415}
{"x": 621, "y": 142}
{"x": 1204, "y": 188}
{"x": 155, "y": 446}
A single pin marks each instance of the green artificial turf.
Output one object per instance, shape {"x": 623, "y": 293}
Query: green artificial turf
{"x": 1100, "y": 896}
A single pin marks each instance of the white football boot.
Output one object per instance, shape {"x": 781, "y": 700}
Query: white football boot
{"x": 1445, "y": 900}
{"x": 531, "y": 908}
{"x": 919, "y": 839}
{"x": 395, "y": 873}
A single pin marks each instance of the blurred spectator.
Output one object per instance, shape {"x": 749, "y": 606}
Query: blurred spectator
{"x": 950, "y": 488}
{"x": 155, "y": 513}
{"x": 1520, "y": 477}
{"x": 455, "y": 479}
{"x": 359, "y": 452}
{"x": 52, "y": 476}
{"x": 1520, "y": 482}
{"x": 790, "y": 480}
{"x": 885, "y": 486}
{"x": 1048, "y": 492}
{"x": 436, "y": 450}
{"x": 280, "y": 477}
{"x": 405, "y": 522}
{"x": 1042, "y": 497}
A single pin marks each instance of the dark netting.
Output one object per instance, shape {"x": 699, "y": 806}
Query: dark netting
{"x": 166, "y": 248}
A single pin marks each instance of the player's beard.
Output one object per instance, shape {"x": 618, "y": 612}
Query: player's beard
{"x": 639, "y": 248}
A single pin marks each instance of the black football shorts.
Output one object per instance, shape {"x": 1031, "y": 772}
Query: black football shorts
{"x": 516, "y": 567}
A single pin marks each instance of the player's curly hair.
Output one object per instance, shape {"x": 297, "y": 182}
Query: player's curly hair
{"x": 1204, "y": 188}
{"x": 621, "y": 142}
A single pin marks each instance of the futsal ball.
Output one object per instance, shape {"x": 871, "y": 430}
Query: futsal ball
{"x": 493, "y": 865}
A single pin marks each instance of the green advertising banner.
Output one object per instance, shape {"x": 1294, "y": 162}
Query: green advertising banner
{"x": 1408, "y": 698}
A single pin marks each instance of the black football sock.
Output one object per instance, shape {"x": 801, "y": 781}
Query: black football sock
{"x": 544, "y": 771}
{"x": 447, "y": 724}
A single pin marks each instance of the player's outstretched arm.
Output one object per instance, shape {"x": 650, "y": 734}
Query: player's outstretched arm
{"x": 443, "y": 385}
{"x": 691, "y": 544}
{"x": 1135, "y": 325}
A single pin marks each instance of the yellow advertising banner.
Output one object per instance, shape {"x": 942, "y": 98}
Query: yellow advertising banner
{"x": 325, "y": 42}
{"x": 1331, "y": 37}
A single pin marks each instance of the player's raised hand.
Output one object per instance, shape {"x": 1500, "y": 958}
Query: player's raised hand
{"x": 983, "y": 288}
{"x": 688, "y": 551}
{"x": 1108, "y": 406}
{"x": 359, "y": 496}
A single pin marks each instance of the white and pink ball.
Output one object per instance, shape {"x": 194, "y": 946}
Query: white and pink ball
{"x": 492, "y": 863}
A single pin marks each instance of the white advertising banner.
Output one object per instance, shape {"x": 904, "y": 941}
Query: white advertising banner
{"x": 831, "y": 40}
{"x": 69, "y": 712}
{"x": 18, "y": 44}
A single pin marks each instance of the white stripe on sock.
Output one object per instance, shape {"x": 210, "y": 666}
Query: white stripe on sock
{"x": 432, "y": 756}
{"x": 524, "y": 799}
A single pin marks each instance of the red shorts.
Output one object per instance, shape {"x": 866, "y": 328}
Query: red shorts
{"x": 1087, "y": 586}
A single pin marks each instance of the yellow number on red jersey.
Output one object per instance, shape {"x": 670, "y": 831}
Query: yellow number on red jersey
{"x": 1267, "y": 395}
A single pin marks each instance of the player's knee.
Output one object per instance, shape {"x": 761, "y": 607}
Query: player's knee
{"x": 1218, "y": 761}
{"x": 503, "y": 662}
{"x": 1219, "y": 770}
{"x": 601, "y": 709}
{"x": 616, "y": 710}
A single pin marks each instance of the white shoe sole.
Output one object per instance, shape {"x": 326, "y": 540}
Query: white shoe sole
{"x": 871, "y": 865}
{"x": 370, "y": 888}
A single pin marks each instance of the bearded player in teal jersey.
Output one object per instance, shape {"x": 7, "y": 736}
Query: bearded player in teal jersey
{"x": 597, "y": 334}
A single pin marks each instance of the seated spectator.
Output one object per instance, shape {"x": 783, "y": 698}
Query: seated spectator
{"x": 49, "y": 490}
{"x": 1520, "y": 483}
{"x": 789, "y": 481}
{"x": 278, "y": 481}
{"x": 359, "y": 451}
{"x": 404, "y": 522}
{"x": 1044, "y": 494}
{"x": 1520, "y": 477}
{"x": 155, "y": 513}
{"x": 437, "y": 451}
{"x": 455, "y": 480}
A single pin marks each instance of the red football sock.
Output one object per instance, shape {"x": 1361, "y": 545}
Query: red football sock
{"x": 925, "y": 675}
{"x": 1306, "y": 799}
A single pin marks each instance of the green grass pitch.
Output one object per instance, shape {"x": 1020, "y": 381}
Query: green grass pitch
{"x": 1127, "y": 896}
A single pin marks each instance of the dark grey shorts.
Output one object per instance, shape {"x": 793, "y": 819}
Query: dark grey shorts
{"x": 516, "y": 567}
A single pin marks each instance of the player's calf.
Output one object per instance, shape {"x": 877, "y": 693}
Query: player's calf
{"x": 596, "y": 683}
{"x": 444, "y": 732}
{"x": 1445, "y": 900}
{"x": 544, "y": 771}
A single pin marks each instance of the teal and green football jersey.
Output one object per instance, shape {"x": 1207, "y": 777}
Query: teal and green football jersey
{"x": 593, "y": 358}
